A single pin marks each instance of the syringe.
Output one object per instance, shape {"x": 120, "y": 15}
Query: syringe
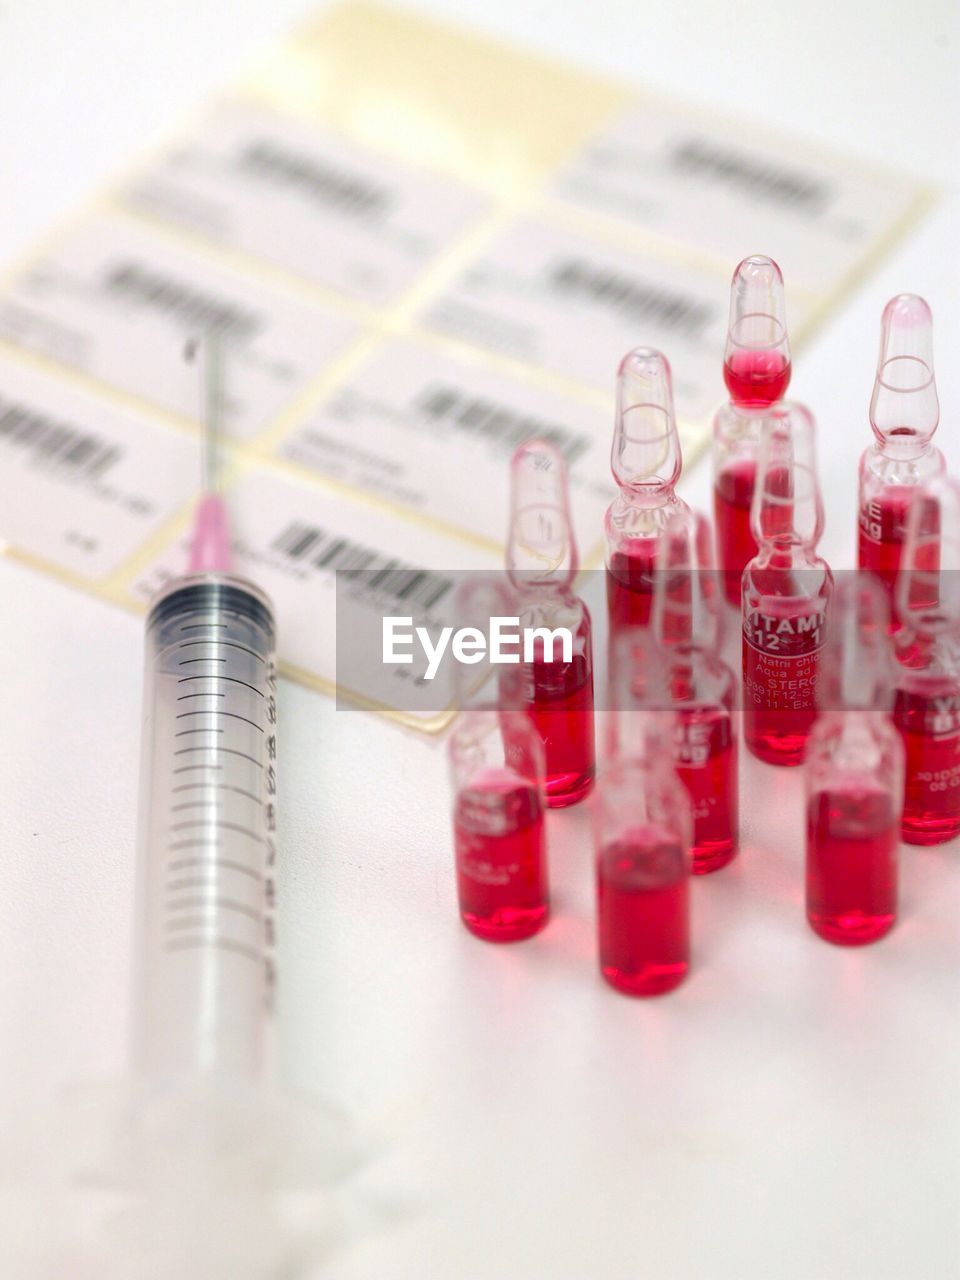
{"x": 207, "y": 803}
{"x": 199, "y": 1143}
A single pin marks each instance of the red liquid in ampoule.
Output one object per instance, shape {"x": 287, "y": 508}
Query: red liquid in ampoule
{"x": 630, "y": 579}
{"x": 643, "y": 912}
{"x": 852, "y": 840}
{"x": 756, "y": 379}
{"x": 732, "y": 496}
{"x": 501, "y": 863}
{"x": 781, "y": 643}
{"x": 562, "y": 714}
{"x": 929, "y": 725}
{"x": 881, "y": 533}
{"x": 706, "y": 761}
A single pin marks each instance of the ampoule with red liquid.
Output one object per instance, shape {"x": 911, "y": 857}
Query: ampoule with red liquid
{"x": 688, "y": 626}
{"x": 646, "y": 463}
{"x": 756, "y": 370}
{"x": 904, "y": 414}
{"x": 496, "y": 761}
{"x": 854, "y": 774}
{"x": 555, "y": 689}
{"x": 786, "y": 591}
{"x": 927, "y": 646}
{"x": 642, "y": 832}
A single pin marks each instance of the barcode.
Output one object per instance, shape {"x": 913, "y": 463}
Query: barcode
{"x": 56, "y": 443}
{"x": 344, "y": 191}
{"x": 493, "y": 422}
{"x": 163, "y": 293}
{"x": 638, "y": 299}
{"x": 759, "y": 177}
{"x": 303, "y": 542}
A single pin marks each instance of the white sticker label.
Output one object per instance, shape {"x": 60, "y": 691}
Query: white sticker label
{"x": 435, "y": 434}
{"x": 321, "y": 206}
{"x": 291, "y": 538}
{"x": 120, "y": 303}
{"x": 730, "y": 190}
{"x": 82, "y": 484}
{"x": 572, "y": 306}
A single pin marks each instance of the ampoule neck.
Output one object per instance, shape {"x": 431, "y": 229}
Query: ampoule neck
{"x": 640, "y": 714}
{"x": 912, "y": 466}
{"x": 855, "y": 720}
{"x": 556, "y": 605}
{"x": 542, "y": 591}
{"x": 934, "y": 656}
{"x": 903, "y": 445}
{"x": 651, "y": 767}
{"x": 857, "y": 736}
{"x": 788, "y": 551}
{"x": 737, "y": 422}
{"x": 640, "y": 516}
{"x": 698, "y": 676}
{"x": 646, "y": 497}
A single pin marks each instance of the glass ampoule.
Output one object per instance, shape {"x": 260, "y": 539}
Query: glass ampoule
{"x": 541, "y": 566}
{"x": 642, "y": 831}
{"x": 756, "y": 370}
{"x": 646, "y": 464}
{"x": 854, "y": 775}
{"x": 688, "y": 626}
{"x": 497, "y": 770}
{"x": 786, "y": 591}
{"x": 927, "y": 647}
{"x": 904, "y": 414}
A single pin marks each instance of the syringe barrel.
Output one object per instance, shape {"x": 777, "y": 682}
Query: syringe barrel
{"x": 206, "y": 832}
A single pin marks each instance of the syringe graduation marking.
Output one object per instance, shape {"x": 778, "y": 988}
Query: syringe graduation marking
{"x": 218, "y": 826}
{"x": 233, "y": 715}
{"x": 226, "y": 751}
{"x": 227, "y": 613}
{"x": 217, "y": 786}
{"x": 229, "y": 679}
{"x": 205, "y": 904}
{"x": 220, "y": 644}
{"x": 222, "y": 944}
{"x": 174, "y": 886}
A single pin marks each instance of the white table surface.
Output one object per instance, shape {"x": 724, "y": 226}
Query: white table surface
{"x": 790, "y": 1113}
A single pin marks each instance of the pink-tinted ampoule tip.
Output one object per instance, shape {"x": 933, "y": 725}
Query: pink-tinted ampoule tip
{"x": 904, "y": 407}
{"x": 210, "y": 548}
{"x": 904, "y": 413}
{"x": 756, "y": 359}
{"x": 646, "y": 461}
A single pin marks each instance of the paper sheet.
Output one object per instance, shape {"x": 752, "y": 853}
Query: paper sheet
{"x": 425, "y": 247}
